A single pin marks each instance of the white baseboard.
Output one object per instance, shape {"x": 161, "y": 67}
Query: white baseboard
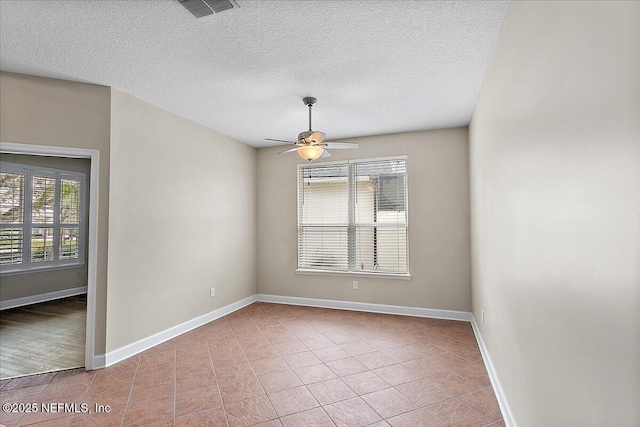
{"x": 19, "y": 302}
{"x": 509, "y": 420}
{"x": 368, "y": 307}
{"x": 98, "y": 362}
{"x": 132, "y": 349}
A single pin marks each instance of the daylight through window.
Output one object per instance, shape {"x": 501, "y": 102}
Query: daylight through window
{"x": 352, "y": 216}
{"x": 41, "y": 218}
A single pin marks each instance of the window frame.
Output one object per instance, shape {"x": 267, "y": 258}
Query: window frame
{"x": 352, "y": 225}
{"x": 27, "y": 225}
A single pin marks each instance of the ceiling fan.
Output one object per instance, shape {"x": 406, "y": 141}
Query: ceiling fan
{"x": 311, "y": 144}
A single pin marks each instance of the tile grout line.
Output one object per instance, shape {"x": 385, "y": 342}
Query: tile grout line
{"x": 213, "y": 366}
{"x": 338, "y": 377}
{"x": 303, "y": 384}
{"x": 393, "y": 387}
{"x": 126, "y": 407}
{"x": 175, "y": 379}
{"x": 252, "y": 370}
{"x": 85, "y": 394}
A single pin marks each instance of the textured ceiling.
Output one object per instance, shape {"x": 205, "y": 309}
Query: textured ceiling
{"x": 376, "y": 67}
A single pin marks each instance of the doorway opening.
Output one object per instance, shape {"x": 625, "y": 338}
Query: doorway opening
{"x": 62, "y": 322}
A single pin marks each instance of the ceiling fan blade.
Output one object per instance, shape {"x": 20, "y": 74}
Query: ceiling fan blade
{"x": 281, "y": 140}
{"x": 316, "y": 136}
{"x": 287, "y": 151}
{"x": 341, "y": 145}
{"x": 325, "y": 153}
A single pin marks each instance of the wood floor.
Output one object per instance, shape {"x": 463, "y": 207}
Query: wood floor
{"x": 44, "y": 337}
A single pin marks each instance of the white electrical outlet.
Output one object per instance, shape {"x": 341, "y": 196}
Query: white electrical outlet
{"x": 482, "y": 316}
{"x": 355, "y": 284}
{"x": 212, "y": 292}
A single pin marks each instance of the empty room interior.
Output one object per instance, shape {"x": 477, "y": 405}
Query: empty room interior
{"x": 320, "y": 213}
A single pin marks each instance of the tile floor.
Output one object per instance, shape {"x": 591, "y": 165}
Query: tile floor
{"x": 279, "y": 365}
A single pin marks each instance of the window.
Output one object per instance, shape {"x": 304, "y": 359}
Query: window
{"x": 352, "y": 216}
{"x": 41, "y": 218}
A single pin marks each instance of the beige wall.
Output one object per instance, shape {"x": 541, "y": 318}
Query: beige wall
{"x": 182, "y": 220}
{"x": 555, "y": 172}
{"x": 438, "y": 181}
{"x": 154, "y": 283}
{"x": 42, "y": 282}
{"x": 35, "y": 110}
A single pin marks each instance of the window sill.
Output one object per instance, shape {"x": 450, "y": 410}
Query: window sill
{"x": 406, "y": 276}
{"x": 40, "y": 269}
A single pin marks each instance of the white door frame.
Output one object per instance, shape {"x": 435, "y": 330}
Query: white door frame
{"x": 90, "y": 360}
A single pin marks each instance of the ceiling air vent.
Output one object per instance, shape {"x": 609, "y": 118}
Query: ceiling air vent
{"x": 200, "y": 8}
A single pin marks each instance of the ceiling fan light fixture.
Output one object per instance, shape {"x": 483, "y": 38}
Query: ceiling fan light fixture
{"x": 310, "y": 144}
{"x": 310, "y": 152}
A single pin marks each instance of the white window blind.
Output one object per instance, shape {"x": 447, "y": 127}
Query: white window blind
{"x": 323, "y": 217}
{"x": 380, "y": 215}
{"x": 352, "y": 216}
{"x": 41, "y": 218}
